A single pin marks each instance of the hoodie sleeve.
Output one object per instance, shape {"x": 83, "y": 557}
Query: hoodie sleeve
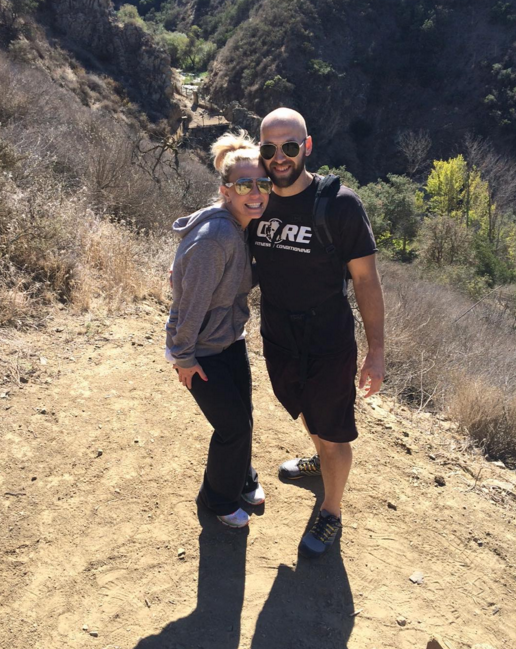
{"x": 202, "y": 269}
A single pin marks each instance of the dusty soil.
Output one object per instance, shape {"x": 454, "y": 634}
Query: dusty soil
{"x": 101, "y": 458}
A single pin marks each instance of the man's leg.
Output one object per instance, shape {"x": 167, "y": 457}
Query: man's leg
{"x": 336, "y": 425}
{"x": 336, "y": 458}
{"x": 336, "y": 461}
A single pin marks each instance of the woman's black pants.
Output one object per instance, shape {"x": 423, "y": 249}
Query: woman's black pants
{"x": 225, "y": 400}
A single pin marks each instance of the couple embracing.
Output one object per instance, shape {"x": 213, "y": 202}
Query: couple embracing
{"x": 266, "y": 211}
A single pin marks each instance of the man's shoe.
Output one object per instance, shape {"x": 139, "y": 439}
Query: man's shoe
{"x": 256, "y": 497}
{"x": 300, "y": 467}
{"x": 240, "y": 518}
{"x": 322, "y": 535}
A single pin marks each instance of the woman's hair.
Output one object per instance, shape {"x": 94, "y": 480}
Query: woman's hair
{"x": 231, "y": 148}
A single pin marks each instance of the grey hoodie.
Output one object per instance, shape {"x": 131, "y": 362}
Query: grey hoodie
{"x": 212, "y": 277}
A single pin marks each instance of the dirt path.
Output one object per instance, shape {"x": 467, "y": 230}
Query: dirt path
{"x": 101, "y": 457}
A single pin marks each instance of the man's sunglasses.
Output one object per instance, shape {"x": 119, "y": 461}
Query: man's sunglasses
{"x": 290, "y": 149}
{"x": 244, "y": 186}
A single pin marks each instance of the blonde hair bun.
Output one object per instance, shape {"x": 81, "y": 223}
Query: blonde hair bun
{"x": 231, "y": 148}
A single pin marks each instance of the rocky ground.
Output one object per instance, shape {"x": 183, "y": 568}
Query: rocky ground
{"x": 101, "y": 458}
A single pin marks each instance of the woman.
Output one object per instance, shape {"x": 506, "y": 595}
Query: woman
{"x": 205, "y": 330}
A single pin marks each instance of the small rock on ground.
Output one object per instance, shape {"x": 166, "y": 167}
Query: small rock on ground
{"x": 417, "y": 577}
{"x": 437, "y": 643}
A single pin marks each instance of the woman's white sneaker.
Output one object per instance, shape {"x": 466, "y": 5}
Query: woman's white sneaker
{"x": 240, "y": 518}
{"x": 256, "y": 497}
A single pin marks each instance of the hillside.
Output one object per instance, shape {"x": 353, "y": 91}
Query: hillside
{"x": 364, "y": 72}
{"x": 103, "y": 454}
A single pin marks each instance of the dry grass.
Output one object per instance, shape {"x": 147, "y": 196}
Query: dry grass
{"x": 488, "y": 415}
{"x": 56, "y": 248}
{"x": 87, "y": 200}
{"x": 118, "y": 267}
{"x": 445, "y": 358}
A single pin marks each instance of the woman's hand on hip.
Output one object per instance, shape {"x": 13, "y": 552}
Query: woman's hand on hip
{"x": 186, "y": 374}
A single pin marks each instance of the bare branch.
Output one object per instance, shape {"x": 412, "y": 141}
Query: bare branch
{"x": 415, "y": 148}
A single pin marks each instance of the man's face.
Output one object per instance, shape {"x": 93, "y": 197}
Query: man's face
{"x": 283, "y": 169}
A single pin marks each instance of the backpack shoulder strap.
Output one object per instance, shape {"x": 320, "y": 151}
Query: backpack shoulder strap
{"x": 326, "y": 192}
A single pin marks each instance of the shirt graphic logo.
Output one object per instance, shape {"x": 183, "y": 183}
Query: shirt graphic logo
{"x": 271, "y": 230}
{"x": 275, "y": 232}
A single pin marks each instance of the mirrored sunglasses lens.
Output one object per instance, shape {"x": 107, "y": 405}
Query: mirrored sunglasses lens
{"x": 290, "y": 149}
{"x": 243, "y": 187}
{"x": 265, "y": 186}
{"x": 267, "y": 151}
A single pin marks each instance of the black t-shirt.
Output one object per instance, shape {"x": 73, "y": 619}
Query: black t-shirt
{"x": 296, "y": 274}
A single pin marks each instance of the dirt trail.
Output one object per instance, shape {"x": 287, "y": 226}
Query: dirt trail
{"x": 101, "y": 457}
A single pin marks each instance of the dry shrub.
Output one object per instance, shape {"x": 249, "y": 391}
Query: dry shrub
{"x": 16, "y": 358}
{"x": 37, "y": 238}
{"x": 437, "y": 347}
{"x": 53, "y": 246}
{"x": 487, "y": 414}
{"x": 15, "y": 304}
{"x": 15, "y": 98}
{"x": 114, "y": 269}
{"x": 85, "y": 217}
{"x": 125, "y": 172}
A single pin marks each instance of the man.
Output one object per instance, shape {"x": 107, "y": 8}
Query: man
{"x": 306, "y": 320}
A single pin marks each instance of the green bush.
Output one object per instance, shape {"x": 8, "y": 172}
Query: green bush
{"x": 175, "y": 43}
{"x": 321, "y": 68}
{"x": 129, "y": 14}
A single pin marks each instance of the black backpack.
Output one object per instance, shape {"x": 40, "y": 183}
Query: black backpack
{"x": 326, "y": 192}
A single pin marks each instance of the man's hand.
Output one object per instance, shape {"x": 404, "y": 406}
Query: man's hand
{"x": 372, "y": 373}
{"x": 186, "y": 374}
{"x": 368, "y": 293}
{"x": 171, "y": 277}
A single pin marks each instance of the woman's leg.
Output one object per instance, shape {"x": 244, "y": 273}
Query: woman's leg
{"x": 243, "y": 381}
{"x": 226, "y": 405}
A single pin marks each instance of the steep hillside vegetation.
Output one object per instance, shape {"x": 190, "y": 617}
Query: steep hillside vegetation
{"x": 89, "y": 186}
{"x": 363, "y": 72}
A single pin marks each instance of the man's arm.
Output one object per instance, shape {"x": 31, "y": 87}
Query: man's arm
{"x": 369, "y": 296}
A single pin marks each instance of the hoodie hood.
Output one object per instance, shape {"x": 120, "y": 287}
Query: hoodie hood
{"x": 185, "y": 224}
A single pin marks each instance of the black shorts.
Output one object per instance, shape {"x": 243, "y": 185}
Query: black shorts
{"x": 327, "y": 399}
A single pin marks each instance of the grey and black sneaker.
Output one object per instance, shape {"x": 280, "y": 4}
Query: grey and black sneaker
{"x": 301, "y": 467}
{"x": 322, "y": 535}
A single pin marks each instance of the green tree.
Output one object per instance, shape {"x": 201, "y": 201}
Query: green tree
{"x": 346, "y": 177}
{"x": 402, "y": 210}
{"x": 375, "y": 197}
{"x": 129, "y": 14}
{"x": 394, "y": 209}
{"x": 277, "y": 91}
{"x": 175, "y": 44}
{"x": 446, "y": 186}
{"x": 197, "y": 52}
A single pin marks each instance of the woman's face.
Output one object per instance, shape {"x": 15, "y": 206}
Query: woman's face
{"x": 250, "y": 206}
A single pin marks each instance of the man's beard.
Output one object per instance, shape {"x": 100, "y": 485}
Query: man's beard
{"x": 295, "y": 172}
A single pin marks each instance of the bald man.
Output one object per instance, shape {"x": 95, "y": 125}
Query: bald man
{"x": 306, "y": 320}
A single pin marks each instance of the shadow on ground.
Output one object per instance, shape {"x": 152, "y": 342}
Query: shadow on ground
{"x": 309, "y": 604}
{"x": 215, "y": 623}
